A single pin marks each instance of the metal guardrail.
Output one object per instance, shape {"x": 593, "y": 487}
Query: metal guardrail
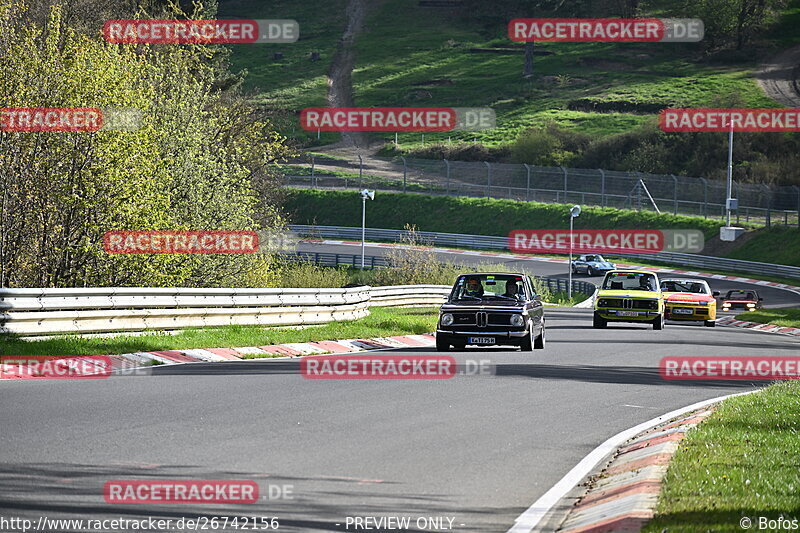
{"x": 336, "y": 260}
{"x": 33, "y": 312}
{"x": 501, "y": 243}
{"x": 553, "y": 285}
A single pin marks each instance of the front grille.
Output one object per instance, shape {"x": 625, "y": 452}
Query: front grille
{"x": 500, "y": 319}
{"x": 628, "y": 303}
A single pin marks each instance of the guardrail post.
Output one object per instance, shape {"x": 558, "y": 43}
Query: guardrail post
{"x": 602, "y": 187}
{"x": 528, "y": 186}
{"x": 405, "y": 172}
{"x": 360, "y": 171}
{"x": 447, "y": 165}
{"x": 675, "y": 194}
{"x": 488, "y": 179}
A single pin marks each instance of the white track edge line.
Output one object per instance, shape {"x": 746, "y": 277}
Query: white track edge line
{"x": 536, "y": 512}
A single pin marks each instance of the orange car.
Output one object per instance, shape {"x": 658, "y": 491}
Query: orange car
{"x": 689, "y": 299}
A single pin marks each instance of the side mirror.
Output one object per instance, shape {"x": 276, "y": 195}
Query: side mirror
{"x": 715, "y": 294}
{"x": 760, "y": 299}
{"x": 536, "y": 297}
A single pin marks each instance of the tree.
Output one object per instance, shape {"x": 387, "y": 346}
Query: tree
{"x": 203, "y": 158}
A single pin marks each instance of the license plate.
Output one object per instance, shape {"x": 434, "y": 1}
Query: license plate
{"x": 481, "y": 340}
{"x": 682, "y": 311}
{"x": 627, "y": 313}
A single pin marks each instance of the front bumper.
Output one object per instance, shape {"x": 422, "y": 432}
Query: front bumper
{"x": 642, "y": 315}
{"x": 462, "y": 336}
{"x": 697, "y": 314}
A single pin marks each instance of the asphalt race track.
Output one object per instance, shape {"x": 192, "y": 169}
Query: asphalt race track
{"x": 772, "y": 297}
{"x": 478, "y": 449}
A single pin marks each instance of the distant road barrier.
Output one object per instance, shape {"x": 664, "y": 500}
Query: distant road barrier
{"x": 31, "y": 312}
{"x": 554, "y": 285}
{"x": 501, "y": 243}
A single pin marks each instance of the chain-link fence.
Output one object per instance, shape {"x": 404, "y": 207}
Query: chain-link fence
{"x": 758, "y": 204}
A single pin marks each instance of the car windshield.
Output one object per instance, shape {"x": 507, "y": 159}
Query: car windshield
{"x": 639, "y": 281}
{"x": 489, "y": 286}
{"x": 741, "y": 295}
{"x": 598, "y": 258}
{"x": 696, "y": 287}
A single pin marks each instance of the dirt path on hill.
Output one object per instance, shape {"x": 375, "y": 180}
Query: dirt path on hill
{"x": 340, "y": 83}
{"x": 780, "y": 77}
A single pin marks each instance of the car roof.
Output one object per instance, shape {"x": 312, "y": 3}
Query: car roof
{"x": 632, "y": 270}
{"x": 492, "y": 274}
{"x": 684, "y": 280}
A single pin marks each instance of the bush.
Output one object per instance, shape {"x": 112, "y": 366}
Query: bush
{"x": 308, "y": 275}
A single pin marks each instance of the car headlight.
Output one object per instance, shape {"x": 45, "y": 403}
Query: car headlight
{"x": 447, "y": 319}
{"x": 517, "y": 320}
{"x": 751, "y": 305}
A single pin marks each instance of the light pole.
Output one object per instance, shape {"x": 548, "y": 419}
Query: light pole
{"x": 729, "y": 204}
{"x": 364, "y": 195}
{"x": 574, "y": 211}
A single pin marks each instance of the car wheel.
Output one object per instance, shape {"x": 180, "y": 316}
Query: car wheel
{"x": 441, "y": 345}
{"x": 658, "y": 322}
{"x": 710, "y": 323}
{"x": 599, "y": 322}
{"x": 590, "y": 271}
{"x": 538, "y": 342}
{"x": 525, "y": 344}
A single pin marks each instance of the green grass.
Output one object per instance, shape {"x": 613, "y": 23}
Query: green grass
{"x": 381, "y": 322}
{"x": 789, "y": 318}
{"x": 413, "y": 56}
{"x": 482, "y": 216}
{"x": 479, "y": 216}
{"x": 742, "y": 461}
{"x": 773, "y": 245}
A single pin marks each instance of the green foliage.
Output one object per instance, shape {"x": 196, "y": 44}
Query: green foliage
{"x": 308, "y": 275}
{"x": 202, "y": 158}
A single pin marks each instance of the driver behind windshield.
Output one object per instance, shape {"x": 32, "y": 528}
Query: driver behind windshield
{"x": 473, "y": 288}
{"x": 512, "y": 290}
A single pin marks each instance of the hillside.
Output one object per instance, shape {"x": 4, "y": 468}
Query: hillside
{"x": 411, "y": 55}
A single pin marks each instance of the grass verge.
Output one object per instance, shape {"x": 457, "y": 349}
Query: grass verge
{"x": 741, "y": 462}
{"x": 483, "y": 216}
{"x": 789, "y": 318}
{"x": 381, "y": 322}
